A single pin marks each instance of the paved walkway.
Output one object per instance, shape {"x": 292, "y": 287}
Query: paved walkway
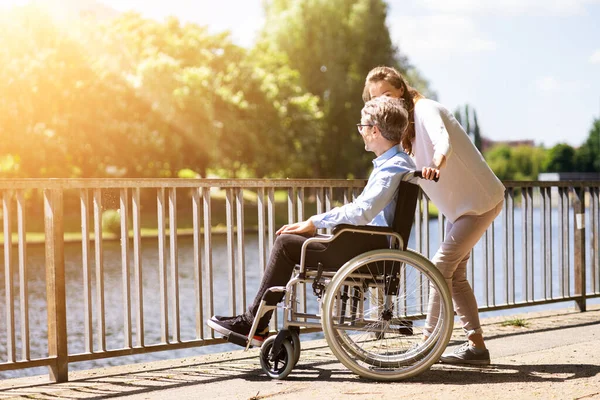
{"x": 557, "y": 356}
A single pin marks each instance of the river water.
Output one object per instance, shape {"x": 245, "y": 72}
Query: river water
{"x": 152, "y": 316}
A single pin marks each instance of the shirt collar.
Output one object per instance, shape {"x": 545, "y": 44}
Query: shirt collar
{"x": 386, "y": 156}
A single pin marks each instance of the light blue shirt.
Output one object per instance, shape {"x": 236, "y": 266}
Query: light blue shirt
{"x": 377, "y": 202}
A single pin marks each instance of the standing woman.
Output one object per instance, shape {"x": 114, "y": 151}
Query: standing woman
{"x": 468, "y": 194}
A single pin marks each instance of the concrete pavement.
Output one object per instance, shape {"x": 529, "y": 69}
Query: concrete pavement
{"x": 557, "y": 356}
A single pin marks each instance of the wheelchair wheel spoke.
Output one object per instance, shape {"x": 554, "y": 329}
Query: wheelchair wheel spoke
{"x": 373, "y": 315}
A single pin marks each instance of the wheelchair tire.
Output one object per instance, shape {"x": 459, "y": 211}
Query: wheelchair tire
{"x": 366, "y": 334}
{"x": 295, "y": 341}
{"x": 277, "y": 366}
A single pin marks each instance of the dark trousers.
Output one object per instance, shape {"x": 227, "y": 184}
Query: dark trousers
{"x": 285, "y": 255}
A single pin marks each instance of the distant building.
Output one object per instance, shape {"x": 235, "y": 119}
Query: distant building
{"x": 569, "y": 176}
{"x": 487, "y": 143}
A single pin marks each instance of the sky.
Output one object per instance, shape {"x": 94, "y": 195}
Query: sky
{"x": 530, "y": 68}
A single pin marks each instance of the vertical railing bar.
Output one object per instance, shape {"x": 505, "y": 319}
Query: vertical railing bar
{"x": 421, "y": 212}
{"x": 271, "y": 217}
{"x": 511, "y": 244}
{"x": 240, "y": 244}
{"x": 124, "y": 208}
{"x": 548, "y": 239}
{"x": 300, "y": 203}
{"x": 505, "y": 239}
{"x": 230, "y": 251}
{"x": 87, "y": 273}
{"x": 418, "y": 223}
{"x": 55, "y": 285}
{"x": 271, "y": 239}
{"x": 208, "y": 252}
{"x": 290, "y": 203}
{"x": 173, "y": 252}
{"x": 426, "y": 227}
{"x": 99, "y": 256}
{"x": 162, "y": 265}
{"x": 567, "y": 254}
{"x": 561, "y": 242}
{"x": 595, "y": 215}
{"x": 328, "y": 201}
{"x": 492, "y": 261}
{"x": 300, "y": 214}
{"x": 23, "y": 277}
{"x": 262, "y": 243}
{"x": 579, "y": 264}
{"x": 137, "y": 265}
{"x": 8, "y": 277}
{"x": 530, "y": 241}
{"x": 486, "y": 266}
{"x": 196, "y": 195}
{"x": 542, "y": 239}
{"x": 319, "y": 192}
{"x": 524, "y": 244}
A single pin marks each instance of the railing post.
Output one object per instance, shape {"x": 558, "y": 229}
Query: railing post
{"x": 579, "y": 246}
{"x": 55, "y": 285}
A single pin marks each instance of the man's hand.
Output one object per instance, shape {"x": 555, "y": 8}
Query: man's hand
{"x": 306, "y": 228}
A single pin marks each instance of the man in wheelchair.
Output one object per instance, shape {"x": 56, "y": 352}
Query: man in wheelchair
{"x": 383, "y": 120}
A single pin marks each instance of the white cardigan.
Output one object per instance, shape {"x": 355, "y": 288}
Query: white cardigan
{"x": 467, "y": 185}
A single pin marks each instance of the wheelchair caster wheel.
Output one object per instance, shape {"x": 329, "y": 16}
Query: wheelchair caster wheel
{"x": 277, "y": 366}
{"x": 295, "y": 340}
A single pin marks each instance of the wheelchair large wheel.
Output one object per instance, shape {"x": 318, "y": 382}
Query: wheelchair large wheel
{"x": 277, "y": 365}
{"x": 368, "y": 306}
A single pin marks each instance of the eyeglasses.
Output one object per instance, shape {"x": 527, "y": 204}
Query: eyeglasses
{"x": 360, "y": 127}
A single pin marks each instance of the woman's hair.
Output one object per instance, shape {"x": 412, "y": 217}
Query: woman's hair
{"x": 410, "y": 97}
{"x": 389, "y": 115}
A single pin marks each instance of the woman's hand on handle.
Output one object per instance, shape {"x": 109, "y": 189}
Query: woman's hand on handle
{"x": 430, "y": 173}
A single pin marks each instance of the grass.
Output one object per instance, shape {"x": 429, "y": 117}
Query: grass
{"x": 516, "y": 322}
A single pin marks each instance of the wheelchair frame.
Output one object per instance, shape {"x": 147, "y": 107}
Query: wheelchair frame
{"x": 358, "y": 352}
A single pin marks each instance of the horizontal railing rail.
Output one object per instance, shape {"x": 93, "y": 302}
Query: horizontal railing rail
{"x": 146, "y": 286}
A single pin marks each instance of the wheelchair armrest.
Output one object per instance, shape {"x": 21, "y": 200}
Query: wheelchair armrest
{"x": 362, "y": 229}
{"x": 339, "y": 229}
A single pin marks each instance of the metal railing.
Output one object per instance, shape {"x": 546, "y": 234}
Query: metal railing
{"x": 542, "y": 248}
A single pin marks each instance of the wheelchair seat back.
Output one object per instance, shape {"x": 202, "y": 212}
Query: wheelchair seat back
{"x": 404, "y": 214}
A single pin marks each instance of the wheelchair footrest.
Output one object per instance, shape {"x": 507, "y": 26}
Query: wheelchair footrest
{"x": 406, "y": 328}
{"x": 238, "y": 339}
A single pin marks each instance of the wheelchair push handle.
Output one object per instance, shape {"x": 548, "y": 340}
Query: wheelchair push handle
{"x": 419, "y": 174}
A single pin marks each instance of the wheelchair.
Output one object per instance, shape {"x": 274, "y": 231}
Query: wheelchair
{"x": 372, "y": 309}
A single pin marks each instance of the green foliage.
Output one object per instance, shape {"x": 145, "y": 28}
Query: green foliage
{"x": 111, "y": 222}
{"x": 140, "y": 98}
{"x": 587, "y": 157}
{"x": 561, "y": 158}
{"x": 516, "y": 163}
{"x": 333, "y": 44}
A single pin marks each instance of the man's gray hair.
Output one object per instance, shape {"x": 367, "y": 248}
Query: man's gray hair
{"x": 389, "y": 115}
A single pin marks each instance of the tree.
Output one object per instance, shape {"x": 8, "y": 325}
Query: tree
{"x": 516, "y": 163}
{"x": 136, "y": 97}
{"x": 587, "y": 157}
{"x": 561, "y": 158}
{"x": 467, "y": 118}
{"x": 333, "y": 44}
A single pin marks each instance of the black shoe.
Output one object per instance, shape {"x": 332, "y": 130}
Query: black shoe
{"x": 239, "y": 325}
